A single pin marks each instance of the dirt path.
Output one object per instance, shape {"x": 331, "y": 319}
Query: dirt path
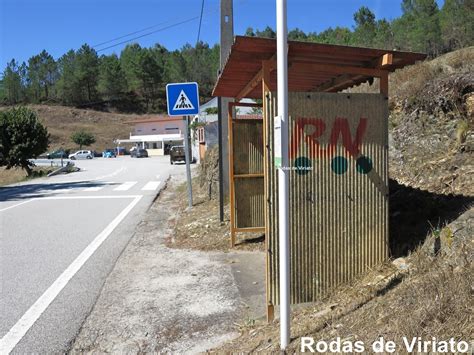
{"x": 159, "y": 299}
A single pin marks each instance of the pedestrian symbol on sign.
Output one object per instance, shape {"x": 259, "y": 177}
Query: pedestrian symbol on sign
{"x": 182, "y": 99}
{"x": 183, "y": 102}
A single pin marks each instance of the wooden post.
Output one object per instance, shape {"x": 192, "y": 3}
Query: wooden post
{"x": 266, "y": 67}
{"x": 231, "y": 175}
{"x": 226, "y": 40}
{"x": 383, "y": 80}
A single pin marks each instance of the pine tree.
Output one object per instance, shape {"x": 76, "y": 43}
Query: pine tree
{"x": 419, "y": 29}
{"x": 68, "y": 85}
{"x": 112, "y": 83}
{"x": 365, "y": 29}
{"x": 42, "y": 75}
{"x": 87, "y": 71}
{"x": 14, "y": 79}
{"x": 457, "y": 24}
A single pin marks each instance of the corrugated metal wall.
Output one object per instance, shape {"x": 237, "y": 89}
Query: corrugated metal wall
{"x": 248, "y": 160}
{"x": 339, "y": 208}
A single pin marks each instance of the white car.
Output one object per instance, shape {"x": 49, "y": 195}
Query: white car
{"x": 81, "y": 154}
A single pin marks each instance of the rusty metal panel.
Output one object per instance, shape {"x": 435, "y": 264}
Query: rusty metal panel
{"x": 248, "y": 146}
{"x": 338, "y": 191}
{"x": 248, "y": 160}
{"x": 249, "y": 203}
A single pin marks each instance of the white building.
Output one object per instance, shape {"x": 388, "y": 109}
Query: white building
{"x": 155, "y": 135}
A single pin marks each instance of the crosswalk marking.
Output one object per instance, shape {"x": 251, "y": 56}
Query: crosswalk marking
{"x": 151, "y": 186}
{"x": 125, "y": 186}
{"x": 94, "y": 188}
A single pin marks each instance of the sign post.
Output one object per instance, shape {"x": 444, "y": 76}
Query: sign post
{"x": 283, "y": 173}
{"x": 183, "y": 100}
{"x": 188, "y": 161}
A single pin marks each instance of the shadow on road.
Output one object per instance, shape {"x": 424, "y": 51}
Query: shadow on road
{"x": 28, "y": 191}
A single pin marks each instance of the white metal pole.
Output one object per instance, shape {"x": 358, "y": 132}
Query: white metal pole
{"x": 283, "y": 177}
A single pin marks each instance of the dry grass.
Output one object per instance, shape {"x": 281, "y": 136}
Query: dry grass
{"x": 15, "y": 175}
{"x": 62, "y": 121}
{"x": 430, "y": 296}
{"x": 407, "y": 83}
{"x": 200, "y": 228}
{"x": 11, "y": 176}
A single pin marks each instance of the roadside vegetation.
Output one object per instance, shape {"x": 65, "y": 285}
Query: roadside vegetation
{"x": 428, "y": 294}
{"x": 16, "y": 175}
{"x": 82, "y": 138}
{"x": 135, "y": 80}
{"x": 22, "y": 137}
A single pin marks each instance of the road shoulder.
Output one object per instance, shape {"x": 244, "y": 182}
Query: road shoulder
{"x": 159, "y": 299}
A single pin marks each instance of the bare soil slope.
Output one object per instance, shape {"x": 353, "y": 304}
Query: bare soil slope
{"x": 62, "y": 121}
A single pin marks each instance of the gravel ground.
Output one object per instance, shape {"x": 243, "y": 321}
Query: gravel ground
{"x": 159, "y": 299}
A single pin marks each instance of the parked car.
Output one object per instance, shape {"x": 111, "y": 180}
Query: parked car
{"x": 177, "y": 153}
{"x": 81, "y": 154}
{"x": 138, "y": 153}
{"x": 109, "y": 153}
{"x": 121, "y": 151}
{"x": 57, "y": 154}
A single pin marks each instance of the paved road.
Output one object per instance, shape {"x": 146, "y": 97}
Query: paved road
{"x": 60, "y": 238}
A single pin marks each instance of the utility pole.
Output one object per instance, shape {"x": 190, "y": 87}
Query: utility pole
{"x": 281, "y": 151}
{"x": 226, "y": 40}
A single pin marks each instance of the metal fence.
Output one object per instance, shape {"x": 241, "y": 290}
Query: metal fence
{"x": 338, "y": 190}
{"x": 246, "y": 175}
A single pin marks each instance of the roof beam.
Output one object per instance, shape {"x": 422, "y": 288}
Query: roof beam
{"x": 384, "y": 61}
{"x": 340, "y": 69}
{"x": 252, "y": 84}
{"x": 334, "y": 82}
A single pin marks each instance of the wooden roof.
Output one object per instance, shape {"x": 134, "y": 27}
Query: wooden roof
{"x": 311, "y": 66}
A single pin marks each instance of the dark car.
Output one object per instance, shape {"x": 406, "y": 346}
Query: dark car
{"x": 177, "y": 153}
{"x": 139, "y": 153}
{"x": 57, "y": 154}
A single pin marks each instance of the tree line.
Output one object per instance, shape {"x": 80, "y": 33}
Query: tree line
{"x": 422, "y": 27}
{"x": 135, "y": 80}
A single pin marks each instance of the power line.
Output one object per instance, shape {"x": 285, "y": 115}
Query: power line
{"x": 155, "y": 31}
{"x": 129, "y": 34}
{"x": 200, "y": 23}
{"x": 150, "y": 33}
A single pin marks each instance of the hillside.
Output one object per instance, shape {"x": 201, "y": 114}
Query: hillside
{"x": 431, "y": 123}
{"x": 62, "y": 121}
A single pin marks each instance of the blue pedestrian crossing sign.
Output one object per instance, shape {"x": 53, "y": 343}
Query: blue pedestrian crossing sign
{"x": 183, "y": 99}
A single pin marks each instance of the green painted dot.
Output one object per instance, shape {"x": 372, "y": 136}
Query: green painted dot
{"x": 302, "y": 165}
{"x": 364, "y": 165}
{"x": 339, "y": 165}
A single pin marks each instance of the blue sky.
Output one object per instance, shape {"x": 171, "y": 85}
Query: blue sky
{"x": 29, "y": 26}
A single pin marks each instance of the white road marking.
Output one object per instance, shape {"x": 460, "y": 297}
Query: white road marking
{"x": 59, "y": 191}
{"x": 116, "y": 172}
{"x": 18, "y": 331}
{"x": 125, "y": 186}
{"x": 94, "y": 188}
{"x": 18, "y": 204}
{"x": 151, "y": 186}
{"x": 85, "y": 197}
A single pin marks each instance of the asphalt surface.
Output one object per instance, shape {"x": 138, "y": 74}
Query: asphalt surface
{"x": 60, "y": 238}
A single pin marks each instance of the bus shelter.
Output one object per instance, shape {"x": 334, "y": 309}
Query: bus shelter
{"x": 338, "y": 144}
